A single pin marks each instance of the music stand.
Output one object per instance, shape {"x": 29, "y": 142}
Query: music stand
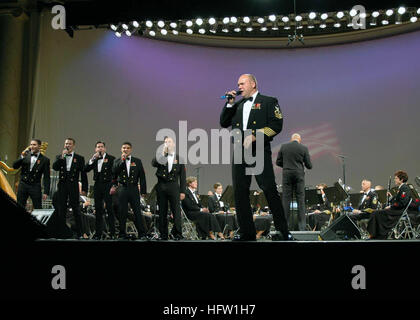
{"x": 313, "y": 197}
{"x": 414, "y": 193}
{"x": 227, "y": 196}
{"x": 229, "y": 199}
{"x": 204, "y": 198}
{"x": 355, "y": 199}
{"x": 334, "y": 195}
{"x": 262, "y": 200}
{"x": 381, "y": 196}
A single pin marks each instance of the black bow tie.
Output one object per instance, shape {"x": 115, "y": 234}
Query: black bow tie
{"x": 34, "y": 154}
{"x": 100, "y": 158}
{"x": 248, "y": 99}
{"x": 127, "y": 159}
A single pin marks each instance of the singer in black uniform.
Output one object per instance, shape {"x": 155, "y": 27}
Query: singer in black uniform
{"x": 257, "y": 113}
{"x": 293, "y": 157}
{"x": 170, "y": 187}
{"x": 381, "y": 222}
{"x": 70, "y": 166}
{"x": 34, "y": 165}
{"x": 128, "y": 173}
{"x": 102, "y": 163}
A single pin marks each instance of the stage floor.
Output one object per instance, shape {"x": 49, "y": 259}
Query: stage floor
{"x": 204, "y": 271}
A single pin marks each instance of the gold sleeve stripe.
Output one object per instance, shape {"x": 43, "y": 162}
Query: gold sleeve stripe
{"x": 268, "y": 131}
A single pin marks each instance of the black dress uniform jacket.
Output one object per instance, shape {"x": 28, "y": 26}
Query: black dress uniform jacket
{"x": 41, "y": 167}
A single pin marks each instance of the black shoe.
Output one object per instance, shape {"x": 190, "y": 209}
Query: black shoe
{"x": 143, "y": 238}
{"x": 244, "y": 238}
{"x": 278, "y": 236}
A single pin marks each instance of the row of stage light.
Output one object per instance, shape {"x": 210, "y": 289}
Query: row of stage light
{"x": 258, "y": 26}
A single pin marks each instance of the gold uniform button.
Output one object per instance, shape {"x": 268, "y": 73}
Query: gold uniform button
{"x": 237, "y": 124}
{"x": 255, "y": 122}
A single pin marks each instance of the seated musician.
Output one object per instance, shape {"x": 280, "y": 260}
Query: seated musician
{"x": 367, "y": 204}
{"x": 381, "y": 222}
{"x": 319, "y": 215}
{"x": 206, "y": 223}
{"x": 262, "y": 220}
{"x": 226, "y": 220}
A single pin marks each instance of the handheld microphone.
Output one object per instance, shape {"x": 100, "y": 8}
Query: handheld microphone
{"x": 229, "y": 96}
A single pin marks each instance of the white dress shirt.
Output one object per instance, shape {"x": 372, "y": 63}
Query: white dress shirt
{"x": 171, "y": 157}
{"x": 100, "y": 162}
{"x": 69, "y": 159}
{"x": 193, "y": 193}
{"x": 246, "y": 110}
{"x": 128, "y": 164}
{"x": 221, "y": 204}
{"x": 34, "y": 158}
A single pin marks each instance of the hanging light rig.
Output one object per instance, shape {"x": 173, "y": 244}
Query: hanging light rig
{"x": 293, "y": 37}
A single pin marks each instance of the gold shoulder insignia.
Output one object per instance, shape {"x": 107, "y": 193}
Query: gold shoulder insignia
{"x": 277, "y": 112}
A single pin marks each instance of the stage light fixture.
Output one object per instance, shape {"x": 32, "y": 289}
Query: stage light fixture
{"x": 311, "y": 24}
{"x": 161, "y": 24}
{"x": 312, "y": 15}
{"x": 389, "y": 12}
{"x": 201, "y": 31}
{"x": 152, "y": 33}
{"x": 340, "y": 14}
{"x": 249, "y": 29}
{"x": 233, "y": 19}
{"x": 213, "y": 28}
{"x": 413, "y": 18}
{"x": 225, "y": 30}
{"x": 260, "y": 20}
{"x": 164, "y": 32}
{"x": 324, "y": 16}
{"x": 189, "y": 23}
{"x": 226, "y": 20}
{"x": 353, "y": 12}
{"x": 385, "y": 22}
{"x": 418, "y": 11}
{"x": 263, "y": 29}
{"x": 118, "y": 34}
{"x": 349, "y": 22}
{"x": 135, "y": 24}
{"x": 272, "y": 17}
{"x": 199, "y": 21}
{"x": 246, "y": 19}
{"x": 375, "y": 14}
{"x": 125, "y": 26}
{"x": 175, "y": 32}
{"x": 149, "y": 24}
{"x": 212, "y": 21}
{"x": 373, "y": 21}
{"x": 285, "y": 19}
{"x": 401, "y": 10}
{"x": 298, "y": 18}
{"x": 128, "y": 33}
{"x": 322, "y": 25}
{"x": 113, "y": 27}
{"x": 173, "y": 25}
{"x": 237, "y": 29}
{"x": 337, "y": 24}
{"x": 189, "y": 31}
